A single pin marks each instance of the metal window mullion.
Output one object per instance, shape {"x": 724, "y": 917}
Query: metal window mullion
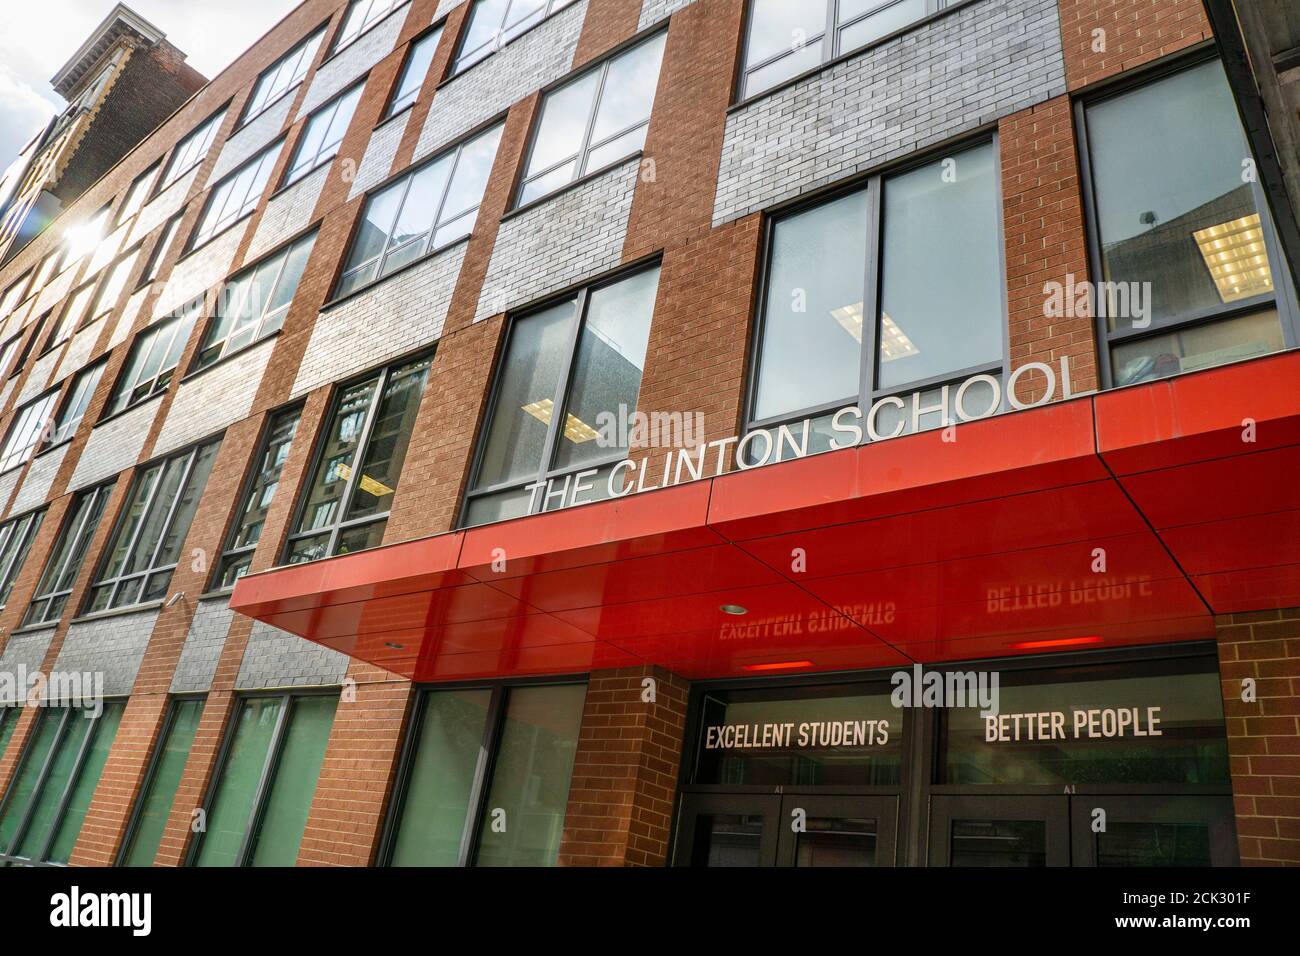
{"x": 446, "y": 191}
{"x": 135, "y": 535}
{"x": 275, "y": 287}
{"x": 623, "y": 132}
{"x": 55, "y": 572}
{"x": 20, "y": 831}
{"x": 871, "y": 305}
{"x": 550, "y": 169}
{"x": 831, "y": 35}
{"x": 66, "y": 797}
{"x": 171, "y": 510}
{"x": 581, "y": 168}
{"x": 560, "y": 406}
{"x": 263, "y": 783}
{"x": 354, "y": 476}
{"x": 478, "y": 793}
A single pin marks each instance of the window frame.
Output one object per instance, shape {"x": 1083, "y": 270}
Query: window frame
{"x": 98, "y": 308}
{"x": 151, "y": 771}
{"x": 68, "y": 712}
{"x": 60, "y": 334}
{"x": 31, "y": 522}
{"x": 66, "y": 542}
{"x": 248, "y": 115}
{"x": 305, "y": 487}
{"x": 1283, "y": 298}
{"x": 61, "y": 407}
{"x": 150, "y": 179}
{"x": 270, "y": 766}
{"x": 829, "y": 42}
{"x": 868, "y": 390}
{"x": 391, "y": 107}
{"x": 153, "y": 267}
{"x": 29, "y": 451}
{"x": 489, "y": 747}
{"x": 247, "y": 487}
{"x": 295, "y": 174}
{"x": 178, "y": 317}
{"x": 37, "y": 330}
{"x": 171, "y": 174}
{"x": 586, "y": 147}
{"x": 197, "y": 238}
{"x": 18, "y": 290}
{"x": 496, "y": 44}
{"x": 338, "y": 43}
{"x": 97, "y": 580}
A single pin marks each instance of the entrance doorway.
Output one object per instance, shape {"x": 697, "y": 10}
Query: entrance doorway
{"x": 805, "y": 830}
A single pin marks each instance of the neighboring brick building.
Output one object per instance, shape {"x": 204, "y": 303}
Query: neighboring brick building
{"x": 984, "y": 287}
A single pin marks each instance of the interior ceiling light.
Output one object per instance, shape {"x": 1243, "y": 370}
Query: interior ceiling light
{"x": 1055, "y": 642}
{"x": 368, "y": 484}
{"x": 894, "y": 343}
{"x": 575, "y": 429}
{"x": 1234, "y": 253}
{"x": 777, "y": 666}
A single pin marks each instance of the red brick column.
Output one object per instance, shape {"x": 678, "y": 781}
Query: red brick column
{"x": 1133, "y": 32}
{"x": 1264, "y": 734}
{"x": 625, "y": 772}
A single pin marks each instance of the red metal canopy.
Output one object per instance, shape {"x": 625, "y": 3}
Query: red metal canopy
{"x": 913, "y": 549}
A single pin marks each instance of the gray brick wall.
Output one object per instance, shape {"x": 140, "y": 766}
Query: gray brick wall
{"x": 162, "y": 207}
{"x": 276, "y": 658}
{"x": 955, "y": 74}
{"x": 393, "y": 318}
{"x": 337, "y": 73}
{"x": 111, "y": 645}
{"x": 202, "y": 649}
{"x": 127, "y": 319}
{"x": 249, "y": 141}
{"x": 39, "y": 376}
{"x": 288, "y": 213}
{"x": 446, "y": 5}
{"x": 652, "y": 11}
{"x": 540, "y": 56}
{"x": 200, "y": 271}
{"x": 571, "y": 237}
{"x": 214, "y": 400}
{"x": 377, "y": 163}
{"x": 115, "y": 445}
{"x": 38, "y": 479}
{"x": 25, "y": 650}
{"x": 77, "y": 353}
{"x": 8, "y": 481}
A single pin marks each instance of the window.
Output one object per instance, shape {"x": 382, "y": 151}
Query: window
{"x": 75, "y": 405}
{"x": 10, "y": 714}
{"x": 235, "y": 196}
{"x": 139, "y": 192}
{"x": 164, "y": 777}
{"x": 13, "y": 295}
{"x": 147, "y": 541}
{"x": 47, "y": 271}
{"x": 323, "y": 135}
{"x": 38, "y": 329}
{"x": 253, "y": 305}
{"x": 82, "y": 239}
{"x": 257, "y": 812}
{"x": 359, "y": 463}
{"x": 114, "y": 284}
{"x": 51, "y": 790}
{"x": 16, "y": 537}
{"x": 78, "y": 306}
{"x": 7, "y": 351}
{"x": 153, "y": 360}
{"x": 494, "y": 23}
{"x": 27, "y": 431}
{"x": 60, "y": 574}
{"x": 283, "y": 76}
{"x": 361, "y": 16}
{"x": 160, "y": 250}
{"x": 418, "y": 60}
{"x": 1184, "y": 244}
{"x": 190, "y": 151}
{"x": 827, "y": 340}
{"x": 243, "y": 538}
{"x": 584, "y": 355}
{"x": 788, "y": 38}
{"x": 423, "y": 211}
{"x": 593, "y": 121}
{"x": 447, "y": 801}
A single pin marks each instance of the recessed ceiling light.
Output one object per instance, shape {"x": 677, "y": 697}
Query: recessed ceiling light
{"x": 735, "y": 609}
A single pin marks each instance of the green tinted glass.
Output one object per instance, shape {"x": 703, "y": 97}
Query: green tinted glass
{"x": 20, "y": 794}
{"x": 63, "y": 763}
{"x": 166, "y": 777}
{"x": 230, "y": 811}
{"x": 442, "y": 776}
{"x": 285, "y": 818}
{"x": 8, "y": 724}
{"x": 105, "y": 729}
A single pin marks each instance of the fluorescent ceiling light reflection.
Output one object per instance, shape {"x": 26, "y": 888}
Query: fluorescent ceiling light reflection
{"x": 1235, "y": 255}
{"x": 575, "y": 429}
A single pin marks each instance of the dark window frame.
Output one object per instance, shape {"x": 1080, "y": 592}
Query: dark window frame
{"x": 169, "y": 175}
{"x": 293, "y": 173}
{"x": 338, "y": 44}
{"x": 1283, "y": 297}
{"x": 166, "y": 238}
{"x": 391, "y": 106}
{"x": 61, "y": 407}
{"x": 58, "y": 561}
{"x": 31, "y": 522}
{"x": 197, "y": 239}
{"x": 248, "y": 115}
{"x": 496, "y": 44}
{"x": 42, "y": 435}
{"x": 162, "y": 378}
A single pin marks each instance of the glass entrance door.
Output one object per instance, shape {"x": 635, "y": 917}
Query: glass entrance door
{"x": 792, "y": 830}
{"x": 999, "y": 831}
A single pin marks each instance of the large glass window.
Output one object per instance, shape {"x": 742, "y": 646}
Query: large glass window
{"x": 75, "y": 404}
{"x": 828, "y": 340}
{"x": 361, "y": 16}
{"x": 323, "y": 135}
{"x": 419, "y": 58}
{"x": 147, "y": 541}
{"x": 10, "y": 714}
{"x": 1183, "y": 239}
{"x": 448, "y": 814}
{"x": 154, "y": 357}
{"x": 51, "y": 790}
{"x": 247, "y": 530}
{"x": 593, "y": 121}
{"x": 235, "y": 196}
{"x": 60, "y": 574}
{"x": 258, "y": 810}
{"x": 253, "y": 304}
{"x": 190, "y": 151}
{"x": 114, "y": 283}
{"x": 423, "y": 211}
{"x": 358, "y": 464}
{"x": 585, "y": 356}
{"x": 139, "y": 192}
{"x": 13, "y": 295}
{"x": 159, "y": 792}
{"x": 494, "y": 23}
{"x": 788, "y": 37}
{"x": 16, "y": 537}
{"x": 282, "y": 76}
{"x": 161, "y": 249}
{"x": 30, "y": 427}
{"x": 77, "y": 308}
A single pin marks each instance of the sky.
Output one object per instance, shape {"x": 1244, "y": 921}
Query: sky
{"x": 38, "y": 36}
